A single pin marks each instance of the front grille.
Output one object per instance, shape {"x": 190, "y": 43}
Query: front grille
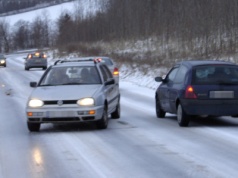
{"x": 55, "y": 102}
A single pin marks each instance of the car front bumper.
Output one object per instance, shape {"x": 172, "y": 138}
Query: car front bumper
{"x": 64, "y": 115}
{"x": 36, "y": 64}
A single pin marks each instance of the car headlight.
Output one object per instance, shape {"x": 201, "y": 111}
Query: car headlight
{"x": 35, "y": 103}
{"x": 2, "y": 61}
{"x": 86, "y": 102}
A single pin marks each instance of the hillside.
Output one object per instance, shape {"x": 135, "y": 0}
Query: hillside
{"x": 140, "y": 34}
{"x": 10, "y": 7}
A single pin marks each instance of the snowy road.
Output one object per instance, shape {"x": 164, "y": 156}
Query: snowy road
{"x": 137, "y": 145}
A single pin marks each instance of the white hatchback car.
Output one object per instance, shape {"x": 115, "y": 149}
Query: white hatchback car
{"x": 74, "y": 91}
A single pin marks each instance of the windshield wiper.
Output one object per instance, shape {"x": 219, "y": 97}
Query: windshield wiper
{"x": 71, "y": 83}
{"x": 46, "y": 85}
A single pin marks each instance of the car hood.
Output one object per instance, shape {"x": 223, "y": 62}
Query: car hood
{"x": 65, "y": 92}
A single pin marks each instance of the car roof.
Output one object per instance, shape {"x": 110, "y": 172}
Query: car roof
{"x": 192, "y": 63}
{"x": 75, "y": 62}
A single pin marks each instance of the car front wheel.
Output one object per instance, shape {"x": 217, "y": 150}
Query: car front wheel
{"x": 33, "y": 127}
{"x": 182, "y": 117}
{"x": 116, "y": 113}
{"x": 103, "y": 122}
{"x": 159, "y": 111}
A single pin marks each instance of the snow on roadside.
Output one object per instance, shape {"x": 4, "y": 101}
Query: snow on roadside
{"x": 140, "y": 78}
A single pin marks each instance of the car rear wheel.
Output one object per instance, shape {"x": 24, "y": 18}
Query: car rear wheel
{"x": 116, "y": 113}
{"x": 159, "y": 111}
{"x": 103, "y": 122}
{"x": 26, "y": 68}
{"x": 33, "y": 127}
{"x": 182, "y": 117}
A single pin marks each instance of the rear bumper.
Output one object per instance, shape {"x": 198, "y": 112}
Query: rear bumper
{"x": 211, "y": 107}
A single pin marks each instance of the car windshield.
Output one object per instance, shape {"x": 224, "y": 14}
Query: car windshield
{"x": 73, "y": 75}
{"x": 215, "y": 74}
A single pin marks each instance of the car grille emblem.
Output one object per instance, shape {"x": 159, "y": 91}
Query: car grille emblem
{"x": 60, "y": 102}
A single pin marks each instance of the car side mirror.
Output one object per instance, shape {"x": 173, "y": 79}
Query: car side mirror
{"x": 158, "y": 79}
{"x": 110, "y": 82}
{"x": 33, "y": 84}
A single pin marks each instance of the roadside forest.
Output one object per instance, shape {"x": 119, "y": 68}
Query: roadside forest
{"x": 158, "y": 31}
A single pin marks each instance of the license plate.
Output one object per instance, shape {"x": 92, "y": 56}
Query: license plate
{"x": 60, "y": 114}
{"x": 221, "y": 94}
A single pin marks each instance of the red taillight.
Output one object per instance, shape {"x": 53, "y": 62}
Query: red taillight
{"x": 115, "y": 72}
{"x": 189, "y": 93}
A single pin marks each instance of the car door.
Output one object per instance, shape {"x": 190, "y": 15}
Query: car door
{"x": 165, "y": 89}
{"x": 111, "y": 91}
{"x": 176, "y": 87}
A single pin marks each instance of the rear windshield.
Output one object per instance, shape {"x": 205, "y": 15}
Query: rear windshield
{"x": 218, "y": 74}
{"x": 107, "y": 61}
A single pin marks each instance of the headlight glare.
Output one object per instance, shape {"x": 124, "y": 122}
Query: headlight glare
{"x": 86, "y": 102}
{"x": 35, "y": 103}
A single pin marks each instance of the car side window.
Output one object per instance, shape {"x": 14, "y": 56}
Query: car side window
{"x": 180, "y": 76}
{"x": 109, "y": 73}
{"x": 170, "y": 77}
{"x": 104, "y": 74}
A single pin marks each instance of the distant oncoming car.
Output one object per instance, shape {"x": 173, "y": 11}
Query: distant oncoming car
{"x": 3, "y": 61}
{"x": 198, "y": 88}
{"x": 36, "y": 60}
{"x": 74, "y": 91}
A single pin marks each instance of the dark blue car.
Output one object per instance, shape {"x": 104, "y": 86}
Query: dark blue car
{"x": 198, "y": 88}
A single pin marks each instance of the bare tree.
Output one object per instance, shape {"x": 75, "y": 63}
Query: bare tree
{"x": 4, "y": 36}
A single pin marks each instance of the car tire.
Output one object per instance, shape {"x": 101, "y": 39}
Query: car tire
{"x": 26, "y": 68}
{"x": 160, "y": 113}
{"x": 117, "y": 113}
{"x": 44, "y": 68}
{"x": 182, "y": 118}
{"x": 103, "y": 122}
{"x": 33, "y": 127}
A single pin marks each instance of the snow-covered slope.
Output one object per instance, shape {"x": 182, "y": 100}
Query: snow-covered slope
{"x": 85, "y": 7}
